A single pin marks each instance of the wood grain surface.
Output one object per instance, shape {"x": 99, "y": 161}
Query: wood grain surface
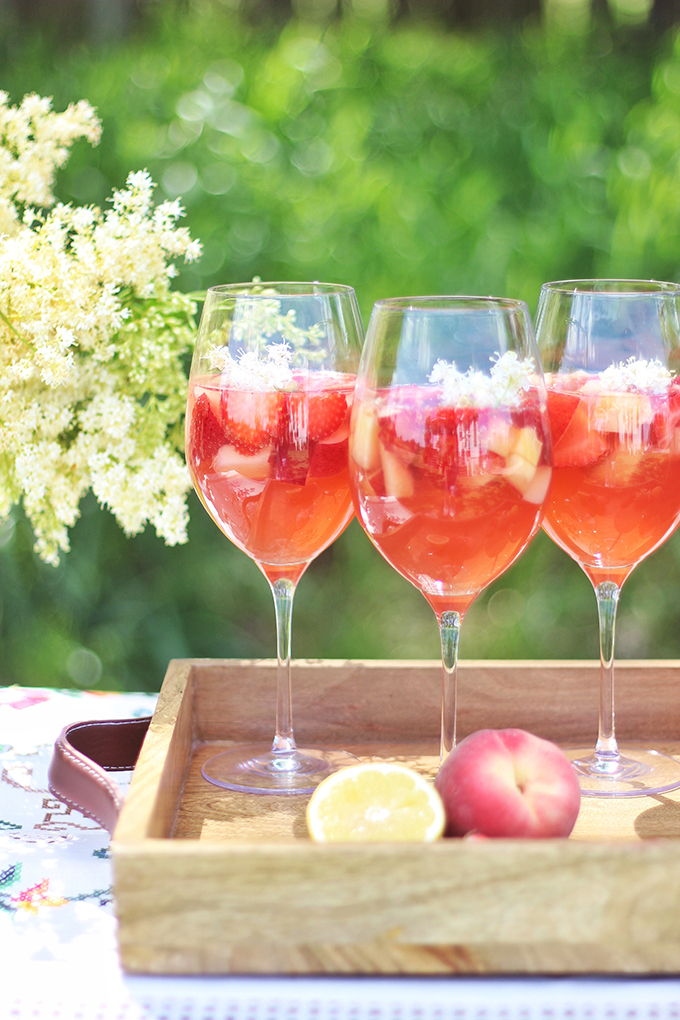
{"x": 211, "y": 881}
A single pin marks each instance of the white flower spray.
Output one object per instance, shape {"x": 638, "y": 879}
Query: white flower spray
{"x": 92, "y": 339}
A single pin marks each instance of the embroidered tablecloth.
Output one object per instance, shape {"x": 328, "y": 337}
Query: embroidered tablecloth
{"x": 58, "y": 957}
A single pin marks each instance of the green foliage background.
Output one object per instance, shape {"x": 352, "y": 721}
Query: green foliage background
{"x": 402, "y": 160}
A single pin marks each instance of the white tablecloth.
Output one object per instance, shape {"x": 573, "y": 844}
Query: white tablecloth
{"x": 57, "y": 928}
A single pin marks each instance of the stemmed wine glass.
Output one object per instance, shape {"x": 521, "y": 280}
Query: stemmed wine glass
{"x": 270, "y": 393}
{"x": 610, "y": 350}
{"x": 449, "y": 451}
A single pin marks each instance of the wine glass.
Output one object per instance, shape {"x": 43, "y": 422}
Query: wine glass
{"x": 610, "y": 349}
{"x": 449, "y": 451}
{"x": 270, "y": 392}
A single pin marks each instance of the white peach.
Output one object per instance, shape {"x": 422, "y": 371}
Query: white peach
{"x": 508, "y": 783}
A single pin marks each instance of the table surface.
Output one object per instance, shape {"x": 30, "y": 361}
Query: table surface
{"x": 58, "y": 955}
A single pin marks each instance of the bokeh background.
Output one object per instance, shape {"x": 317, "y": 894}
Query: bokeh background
{"x": 402, "y": 146}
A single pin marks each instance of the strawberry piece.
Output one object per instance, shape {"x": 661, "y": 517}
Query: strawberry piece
{"x": 251, "y": 418}
{"x": 579, "y": 445}
{"x": 666, "y": 421}
{"x": 328, "y": 459}
{"x": 327, "y": 411}
{"x": 206, "y": 434}
{"x": 561, "y": 409}
{"x": 290, "y": 465}
{"x": 452, "y": 437}
{"x": 315, "y": 416}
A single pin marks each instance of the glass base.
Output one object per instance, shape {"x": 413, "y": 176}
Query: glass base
{"x": 256, "y": 769}
{"x": 633, "y": 772}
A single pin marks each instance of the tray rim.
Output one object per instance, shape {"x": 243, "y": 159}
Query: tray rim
{"x": 162, "y": 728}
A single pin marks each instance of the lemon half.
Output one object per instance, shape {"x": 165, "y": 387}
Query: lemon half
{"x": 375, "y": 802}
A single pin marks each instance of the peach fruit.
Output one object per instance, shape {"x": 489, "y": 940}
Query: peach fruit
{"x": 508, "y": 783}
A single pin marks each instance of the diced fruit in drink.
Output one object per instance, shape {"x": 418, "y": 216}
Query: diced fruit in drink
{"x": 579, "y": 444}
{"x": 519, "y": 472}
{"x": 398, "y": 477}
{"x": 364, "y": 448}
{"x": 664, "y": 432}
{"x": 327, "y": 412}
{"x": 212, "y": 394}
{"x": 521, "y": 451}
{"x": 290, "y": 464}
{"x": 621, "y": 413}
{"x": 537, "y": 489}
{"x": 328, "y": 459}
{"x": 501, "y": 438}
{"x": 251, "y": 417}
{"x": 206, "y": 434}
{"x": 310, "y": 417}
{"x": 452, "y": 438}
{"x": 561, "y": 409}
{"x": 253, "y": 465}
{"x": 375, "y": 801}
{"x": 505, "y": 439}
{"x": 527, "y": 445}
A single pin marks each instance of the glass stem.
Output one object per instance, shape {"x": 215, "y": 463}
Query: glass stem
{"x": 283, "y": 592}
{"x": 449, "y": 632}
{"x": 607, "y": 594}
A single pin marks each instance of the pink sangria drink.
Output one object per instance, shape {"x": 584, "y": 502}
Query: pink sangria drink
{"x": 270, "y": 466}
{"x": 609, "y": 350}
{"x": 450, "y": 495}
{"x": 616, "y": 490}
{"x": 450, "y": 452}
{"x": 267, "y": 435}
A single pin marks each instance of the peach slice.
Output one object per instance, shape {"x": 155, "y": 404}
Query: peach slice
{"x": 537, "y": 489}
{"x": 621, "y": 413}
{"x": 364, "y": 437}
{"x": 522, "y": 451}
{"x": 255, "y": 466}
{"x": 527, "y": 445}
{"x": 397, "y": 475}
{"x": 502, "y": 438}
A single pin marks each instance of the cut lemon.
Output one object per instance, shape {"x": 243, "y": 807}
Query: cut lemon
{"x": 375, "y": 802}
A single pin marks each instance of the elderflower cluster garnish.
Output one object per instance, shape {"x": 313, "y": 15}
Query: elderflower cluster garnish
{"x": 250, "y": 371}
{"x": 508, "y": 379}
{"x": 636, "y": 375}
{"x": 92, "y": 339}
{"x": 256, "y": 317}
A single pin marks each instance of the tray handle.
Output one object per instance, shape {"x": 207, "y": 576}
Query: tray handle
{"x": 84, "y": 752}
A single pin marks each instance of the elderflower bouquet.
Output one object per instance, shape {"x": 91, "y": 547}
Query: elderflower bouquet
{"x": 92, "y": 339}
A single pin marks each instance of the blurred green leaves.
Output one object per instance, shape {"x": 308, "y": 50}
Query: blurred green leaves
{"x": 404, "y": 160}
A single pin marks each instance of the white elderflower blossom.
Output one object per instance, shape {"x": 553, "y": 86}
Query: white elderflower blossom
{"x": 508, "y": 379}
{"x": 250, "y": 371}
{"x": 636, "y": 375}
{"x": 92, "y": 339}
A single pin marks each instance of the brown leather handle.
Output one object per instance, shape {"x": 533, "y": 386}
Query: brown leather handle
{"x": 84, "y": 753}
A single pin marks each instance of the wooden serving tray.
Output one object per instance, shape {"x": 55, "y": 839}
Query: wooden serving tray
{"x": 210, "y": 881}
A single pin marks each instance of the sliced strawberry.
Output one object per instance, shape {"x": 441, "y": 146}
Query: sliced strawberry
{"x": 328, "y": 459}
{"x": 251, "y": 418}
{"x": 561, "y": 409}
{"x": 666, "y": 420}
{"x": 290, "y": 464}
{"x": 579, "y": 445}
{"x": 452, "y": 437}
{"x": 315, "y": 416}
{"x": 206, "y": 434}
